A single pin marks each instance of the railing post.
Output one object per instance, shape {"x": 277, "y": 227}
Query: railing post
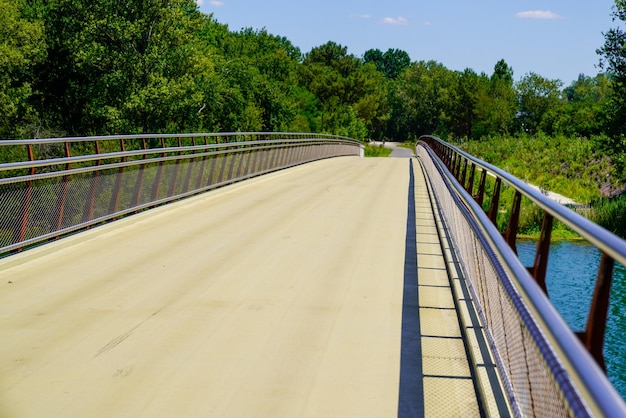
{"x": 540, "y": 266}
{"x": 463, "y": 175}
{"x": 24, "y": 209}
{"x": 232, "y": 160}
{"x": 470, "y": 183}
{"x": 115, "y": 198}
{"x": 481, "y": 188}
{"x": 495, "y": 202}
{"x": 62, "y": 198}
{"x": 94, "y": 187}
{"x": 511, "y": 230}
{"x": 593, "y": 336}
{"x": 190, "y": 165}
{"x": 172, "y": 188}
{"x": 199, "y": 182}
{"x": 139, "y": 183}
{"x": 157, "y": 179}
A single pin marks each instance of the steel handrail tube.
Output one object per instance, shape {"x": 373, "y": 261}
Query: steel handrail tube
{"x": 140, "y": 172}
{"x": 149, "y": 151}
{"x": 581, "y": 370}
{"x": 73, "y": 139}
{"x": 595, "y": 234}
{"x": 222, "y": 149}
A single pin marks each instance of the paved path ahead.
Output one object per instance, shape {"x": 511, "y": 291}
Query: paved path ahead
{"x": 280, "y": 296}
{"x": 397, "y": 151}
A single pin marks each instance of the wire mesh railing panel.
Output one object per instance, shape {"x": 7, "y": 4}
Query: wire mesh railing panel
{"x": 568, "y": 378}
{"x": 53, "y": 187}
{"x": 538, "y": 379}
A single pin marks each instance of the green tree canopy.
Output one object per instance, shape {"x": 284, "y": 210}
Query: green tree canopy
{"x": 537, "y": 96}
{"x": 21, "y": 48}
{"x": 391, "y": 63}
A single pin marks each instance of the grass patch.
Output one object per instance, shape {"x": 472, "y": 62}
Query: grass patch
{"x": 610, "y": 214}
{"x": 377, "y": 151}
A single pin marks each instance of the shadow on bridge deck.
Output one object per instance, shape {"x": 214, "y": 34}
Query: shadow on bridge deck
{"x": 279, "y": 296}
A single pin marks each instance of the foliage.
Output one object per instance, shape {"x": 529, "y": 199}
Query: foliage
{"x": 83, "y": 67}
{"x": 377, "y": 150}
{"x": 536, "y": 97}
{"x": 79, "y": 67}
{"x": 569, "y": 166}
{"x": 496, "y": 106}
{"x": 611, "y": 214}
{"x": 21, "y": 48}
{"x": 391, "y": 63}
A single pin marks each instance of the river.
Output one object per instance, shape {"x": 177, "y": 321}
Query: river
{"x": 572, "y": 271}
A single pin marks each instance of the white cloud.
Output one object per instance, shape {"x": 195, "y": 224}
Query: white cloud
{"x": 215, "y": 3}
{"x": 537, "y": 14}
{"x": 358, "y": 16}
{"x": 396, "y": 21}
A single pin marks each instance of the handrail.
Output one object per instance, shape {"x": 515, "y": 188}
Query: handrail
{"x": 234, "y": 135}
{"x": 233, "y": 146}
{"x": 595, "y": 234}
{"x": 78, "y": 182}
{"x": 583, "y": 371}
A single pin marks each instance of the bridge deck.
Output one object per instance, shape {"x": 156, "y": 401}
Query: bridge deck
{"x": 293, "y": 294}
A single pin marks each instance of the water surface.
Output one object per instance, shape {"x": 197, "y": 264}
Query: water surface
{"x": 572, "y": 271}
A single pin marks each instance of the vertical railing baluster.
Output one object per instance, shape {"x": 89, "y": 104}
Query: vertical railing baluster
{"x": 25, "y": 207}
{"x": 513, "y": 225}
{"x": 172, "y": 189}
{"x": 232, "y": 161}
{"x": 199, "y": 182}
{"x": 211, "y": 180}
{"x": 593, "y": 336}
{"x": 495, "y": 202}
{"x": 142, "y": 168}
{"x": 157, "y": 178}
{"x": 190, "y": 164}
{"x": 463, "y": 175}
{"x": 94, "y": 187}
{"x": 470, "y": 183}
{"x": 481, "y": 188}
{"x": 540, "y": 266}
{"x": 63, "y": 196}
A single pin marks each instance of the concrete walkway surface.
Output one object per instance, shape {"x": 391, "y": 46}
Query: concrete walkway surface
{"x": 282, "y": 296}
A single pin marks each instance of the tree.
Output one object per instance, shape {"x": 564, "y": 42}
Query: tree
{"x": 425, "y": 96}
{"x": 538, "y": 97}
{"x": 345, "y": 88}
{"x": 463, "y": 117}
{"x": 613, "y": 59}
{"x": 582, "y": 113}
{"x": 391, "y": 63}
{"x": 496, "y": 103}
{"x": 21, "y": 48}
{"x": 124, "y": 67}
{"x": 261, "y": 68}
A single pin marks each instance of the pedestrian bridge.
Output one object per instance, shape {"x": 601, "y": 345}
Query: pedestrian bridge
{"x": 279, "y": 281}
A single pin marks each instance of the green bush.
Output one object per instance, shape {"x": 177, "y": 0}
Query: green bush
{"x": 376, "y": 151}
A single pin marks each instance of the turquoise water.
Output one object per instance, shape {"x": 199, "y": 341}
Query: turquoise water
{"x": 572, "y": 271}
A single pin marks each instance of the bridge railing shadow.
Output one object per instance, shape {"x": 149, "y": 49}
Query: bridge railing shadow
{"x": 548, "y": 369}
{"x": 51, "y": 187}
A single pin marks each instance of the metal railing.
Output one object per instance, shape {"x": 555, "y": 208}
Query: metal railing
{"x": 51, "y": 187}
{"x": 548, "y": 370}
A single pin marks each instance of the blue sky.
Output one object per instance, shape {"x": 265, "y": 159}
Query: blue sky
{"x": 556, "y": 39}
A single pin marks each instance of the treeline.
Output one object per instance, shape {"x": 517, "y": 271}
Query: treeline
{"x": 78, "y": 67}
